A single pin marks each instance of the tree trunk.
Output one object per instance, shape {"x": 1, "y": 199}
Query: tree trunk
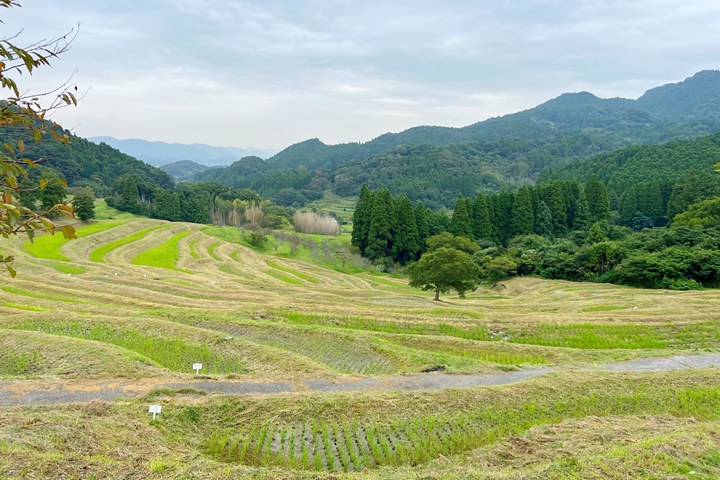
{"x": 437, "y": 294}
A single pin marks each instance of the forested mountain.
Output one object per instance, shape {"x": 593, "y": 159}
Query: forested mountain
{"x": 162, "y": 153}
{"x": 184, "y": 170}
{"x": 659, "y": 165}
{"x": 84, "y": 163}
{"x": 688, "y": 109}
{"x": 436, "y": 175}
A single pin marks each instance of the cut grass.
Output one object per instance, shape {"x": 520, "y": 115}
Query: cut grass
{"x": 602, "y": 308}
{"x": 193, "y": 252}
{"x": 39, "y": 296}
{"x": 69, "y": 269}
{"x": 283, "y": 278}
{"x": 98, "y": 255}
{"x": 301, "y": 275}
{"x": 384, "y": 326}
{"x": 17, "y": 364}
{"x": 48, "y": 246}
{"x": 29, "y": 308}
{"x": 593, "y": 336}
{"x": 446, "y": 423}
{"x": 341, "y": 353}
{"x": 164, "y": 255}
{"x": 172, "y": 353}
{"x": 231, "y": 270}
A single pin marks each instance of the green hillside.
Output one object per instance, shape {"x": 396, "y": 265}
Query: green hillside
{"x": 688, "y": 109}
{"x": 183, "y": 170}
{"x": 436, "y": 175}
{"x": 664, "y": 164}
{"x": 83, "y": 163}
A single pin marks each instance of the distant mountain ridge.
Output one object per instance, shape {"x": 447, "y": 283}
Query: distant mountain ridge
{"x": 688, "y": 109}
{"x": 162, "y": 153}
{"x": 183, "y": 170}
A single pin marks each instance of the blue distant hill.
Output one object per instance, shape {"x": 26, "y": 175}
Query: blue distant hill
{"x": 161, "y": 153}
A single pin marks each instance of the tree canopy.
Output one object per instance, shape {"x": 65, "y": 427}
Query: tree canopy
{"x": 443, "y": 270}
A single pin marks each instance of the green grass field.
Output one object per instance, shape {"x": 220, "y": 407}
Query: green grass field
{"x": 290, "y": 313}
{"x": 98, "y": 255}
{"x": 164, "y": 255}
{"x": 48, "y": 246}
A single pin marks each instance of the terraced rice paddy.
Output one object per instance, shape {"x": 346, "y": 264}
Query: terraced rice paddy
{"x": 145, "y": 299}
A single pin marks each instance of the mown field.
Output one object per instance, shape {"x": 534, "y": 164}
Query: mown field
{"x": 140, "y": 300}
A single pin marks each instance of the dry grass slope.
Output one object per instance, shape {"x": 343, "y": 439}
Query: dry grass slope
{"x": 200, "y": 294}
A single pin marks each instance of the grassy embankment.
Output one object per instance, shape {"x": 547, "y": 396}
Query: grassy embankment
{"x": 284, "y": 315}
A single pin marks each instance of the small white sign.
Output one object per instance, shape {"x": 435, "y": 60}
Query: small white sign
{"x": 197, "y": 367}
{"x": 155, "y": 409}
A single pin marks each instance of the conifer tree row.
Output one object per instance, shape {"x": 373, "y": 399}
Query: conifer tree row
{"x": 389, "y": 228}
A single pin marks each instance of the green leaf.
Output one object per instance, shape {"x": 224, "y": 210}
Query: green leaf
{"x": 11, "y": 271}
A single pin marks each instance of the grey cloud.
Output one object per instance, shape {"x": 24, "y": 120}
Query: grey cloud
{"x": 270, "y": 73}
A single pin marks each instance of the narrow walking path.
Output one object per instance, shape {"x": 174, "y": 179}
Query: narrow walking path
{"x": 49, "y": 393}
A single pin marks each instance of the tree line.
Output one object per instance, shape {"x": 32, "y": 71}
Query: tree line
{"x": 211, "y": 202}
{"x": 386, "y": 227}
{"x": 562, "y": 229}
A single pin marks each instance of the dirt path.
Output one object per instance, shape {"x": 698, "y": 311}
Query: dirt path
{"x": 44, "y": 393}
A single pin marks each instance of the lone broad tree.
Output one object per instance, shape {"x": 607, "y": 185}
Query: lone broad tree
{"x": 443, "y": 270}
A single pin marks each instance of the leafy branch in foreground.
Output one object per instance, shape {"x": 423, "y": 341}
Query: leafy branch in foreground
{"x": 24, "y": 110}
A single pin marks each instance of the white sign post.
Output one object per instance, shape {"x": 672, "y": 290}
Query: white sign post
{"x": 197, "y": 367}
{"x": 155, "y": 409}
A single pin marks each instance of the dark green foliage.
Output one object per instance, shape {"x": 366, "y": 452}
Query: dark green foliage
{"x": 183, "y": 170}
{"x": 257, "y": 239}
{"x": 596, "y": 235}
{"x": 664, "y": 165}
{"x": 628, "y": 205}
{"x": 383, "y": 222}
{"x": 362, "y": 218}
{"x": 650, "y": 202}
{"x": 704, "y": 214}
{"x": 558, "y": 208}
{"x": 438, "y": 222}
{"x": 523, "y": 217}
{"x": 167, "y": 206}
{"x": 581, "y": 217}
{"x": 443, "y": 270}
{"x": 482, "y": 223}
{"x": 83, "y": 163}
{"x": 274, "y": 222}
{"x": 677, "y": 258}
{"x": 460, "y": 223}
{"x": 597, "y": 198}
{"x": 448, "y": 240}
{"x": 423, "y": 228}
{"x": 502, "y": 212}
{"x": 544, "y": 221}
{"x": 84, "y": 206}
{"x": 692, "y": 188}
{"x": 130, "y": 195}
{"x": 640, "y": 222}
{"x": 195, "y": 203}
{"x": 53, "y": 194}
{"x": 406, "y": 238}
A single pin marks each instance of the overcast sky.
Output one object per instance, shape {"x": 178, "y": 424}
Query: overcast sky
{"x": 269, "y": 73}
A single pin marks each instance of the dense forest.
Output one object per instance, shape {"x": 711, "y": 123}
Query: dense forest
{"x": 82, "y": 163}
{"x": 660, "y": 165}
{"x": 561, "y": 229}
